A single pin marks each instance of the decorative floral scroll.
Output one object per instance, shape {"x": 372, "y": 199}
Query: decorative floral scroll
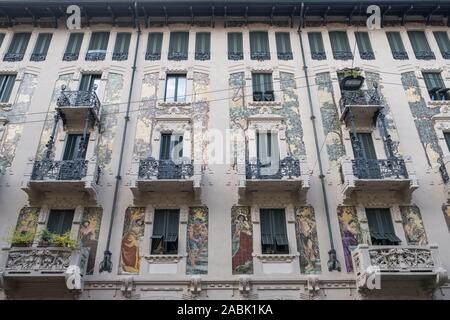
{"x": 242, "y": 240}
{"x": 197, "y": 241}
{"x": 413, "y": 225}
{"x": 133, "y": 234}
{"x": 350, "y": 232}
{"x": 307, "y": 241}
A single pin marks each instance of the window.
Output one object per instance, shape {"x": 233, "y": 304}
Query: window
{"x": 171, "y": 147}
{"x": 6, "y": 86}
{"x": 397, "y": 47}
{"x": 284, "y": 50}
{"x": 435, "y": 85}
{"x": 443, "y": 43}
{"x": 178, "y": 46}
{"x": 72, "y": 148}
{"x": 41, "y": 47}
{"x": 235, "y": 46}
{"x": 316, "y": 45}
{"x": 367, "y": 148}
{"x": 420, "y": 45}
{"x": 175, "y": 88}
{"x": 2, "y": 37}
{"x": 60, "y": 221}
{"x": 18, "y": 46}
{"x": 165, "y": 232}
{"x": 122, "y": 46}
{"x": 268, "y": 153}
{"x": 154, "y": 45}
{"x": 90, "y": 82}
{"x": 364, "y": 46}
{"x": 262, "y": 87}
{"x": 73, "y": 47}
{"x": 340, "y": 45}
{"x": 259, "y": 45}
{"x": 365, "y": 157}
{"x": 381, "y": 228}
{"x": 202, "y": 45}
{"x": 273, "y": 231}
{"x": 98, "y": 46}
{"x": 447, "y": 139}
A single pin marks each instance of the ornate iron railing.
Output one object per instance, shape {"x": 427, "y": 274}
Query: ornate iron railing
{"x": 260, "y": 56}
{"x": 152, "y": 56}
{"x": 235, "y": 56}
{"x": 367, "y": 55}
{"x": 400, "y": 55}
{"x": 359, "y": 98}
{"x": 318, "y": 55}
{"x": 285, "y": 56}
{"x": 38, "y": 57}
{"x": 48, "y": 169}
{"x": 150, "y": 169}
{"x": 444, "y": 173}
{"x": 120, "y": 56}
{"x": 288, "y": 167}
{"x": 342, "y": 55}
{"x": 425, "y": 55}
{"x": 95, "y": 56}
{"x": 70, "y": 56}
{"x": 379, "y": 169}
{"x": 202, "y": 56}
{"x": 445, "y": 54}
{"x": 13, "y": 57}
{"x": 177, "y": 56}
{"x": 79, "y": 99}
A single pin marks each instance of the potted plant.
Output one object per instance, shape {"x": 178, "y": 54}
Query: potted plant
{"x": 21, "y": 238}
{"x": 45, "y": 238}
{"x": 64, "y": 241}
{"x": 353, "y": 79}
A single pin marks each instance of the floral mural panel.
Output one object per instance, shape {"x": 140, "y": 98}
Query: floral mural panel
{"x": 446, "y": 210}
{"x": 89, "y": 234}
{"x": 307, "y": 240}
{"x": 27, "y": 221}
{"x": 197, "y": 241}
{"x": 413, "y": 225}
{"x": 200, "y": 116}
{"x": 132, "y": 240}
{"x": 242, "y": 240}
{"x": 351, "y": 232}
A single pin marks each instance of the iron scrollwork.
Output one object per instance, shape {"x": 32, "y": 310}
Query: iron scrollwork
{"x": 342, "y": 55}
{"x": 425, "y": 55}
{"x": 379, "y": 169}
{"x": 70, "y": 56}
{"x": 177, "y": 56}
{"x": 13, "y": 57}
{"x": 288, "y": 167}
{"x": 48, "y": 169}
{"x": 152, "y": 56}
{"x": 260, "y": 55}
{"x": 235, "y": 56}
{"x": 151, "y": 168}
{"x": 38, "y": 57}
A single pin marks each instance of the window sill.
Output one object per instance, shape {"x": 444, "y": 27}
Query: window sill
{"x": 259, "y": 104}
{"x": 174, "y": 104}
{"x": 277, "y": 257}
{"x": 164, "y": 258}
{"x": 439, "y": 103}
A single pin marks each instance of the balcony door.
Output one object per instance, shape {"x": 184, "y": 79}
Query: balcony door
{"x": 366, "y": 157}
{"x": 90, "y": 82}
{"x": 71, "y": 151}
{"x": 60, "y": 221}
{"x": 268, "y": 152}
{"x": 381, "y": 227}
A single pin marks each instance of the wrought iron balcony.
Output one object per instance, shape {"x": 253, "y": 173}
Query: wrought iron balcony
{"x": 13, "y": 57}
{"x": 400, "y": 55}
{"x": 95, "y": 56}
{"x": 177, "y": 56}
{"x": 367, "y": 55}
{"x": 70, "y": 56}
{"x": 263, "y": 96}
{"x": 365, "y": 106}
{"x": 48, "y": 169}
{"x": 342, "y": 55}
{"x": 235, "y": 56}
{"x": 120, "y": 56}
{"x": 37, "y": 57}
{"x": 374, "y": 175}
{"x": 289, "y": 167}
{"x": 56, "y": 265}
{"x": 285, "y": 56}
{"x": 152, "y": 56}
{"x": 318, "y": 55}
{"x": 202, "y": 56}
{"x": 151, "y": 168}
{"x": 260, "y": 55}
{"x": 425, "y": 55}
{"x": 419, "y": 264}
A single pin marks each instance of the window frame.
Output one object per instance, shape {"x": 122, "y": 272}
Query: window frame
{"x": 267, "y": 93}
{"x": 75, "y": 48}
{"x": 124, "y": 46}
{"x": 273, "y": 242}
{"x": 157, "y": 239}
{"x": 238, "y": 42}
{"x": 17, "y": 55}
{"x": 320, "y": 54}
{"x": 176, "y": 97}
{"x": 345, "y": 51}
{"x": 259, "y": 53}
{"x": 283, "y": 40}
{"x": 154, "y": 41}
{"x": 42, "y": 54}
{"x": 426, "y": 53}
{"x": 396, "y": 45}
{"x": 5, "y": 85}
{"x": 183, "y": 46}
{"x": 54, "y": 212}
{"x": 203, "y": 49}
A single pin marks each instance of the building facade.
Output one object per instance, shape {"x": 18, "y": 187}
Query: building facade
{"x": 215, "y": 150}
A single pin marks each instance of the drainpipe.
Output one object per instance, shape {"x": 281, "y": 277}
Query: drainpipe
{"x": 106, "y": 263}
{"x": 333, "y": 263}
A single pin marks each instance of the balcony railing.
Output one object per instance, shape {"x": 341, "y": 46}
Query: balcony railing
{"x": 37, "y": 57}
{"x": 120, "y": 56}
{"x": 151, "y": 169}
{"x": 260, "y": 56}
{"x": 425, "y": 55}
{"x": 318, "y": 55}
{"x": 342, "y": 55}
{"x": 95, "y": 56}
{"x": 177, "y": 56}
{"x": 263, "y": 96}
{"x": 235, "y": 56}
{"x": 379, "y": 169}
{"x": 13, "y": 57}
{"x": 367, "y": 55}
{"x": 289, "y": 167}
{"x": 48, "y": 169}
{"x": 70, "y": 56}
{"x": 152, "y": 56}
{"x": 76, "y": 99}
{"x": 400, "y": 55}
{"x": 202, "y": 56}
{"x": 359, "y": 98}
{"x": 285, "y": 56}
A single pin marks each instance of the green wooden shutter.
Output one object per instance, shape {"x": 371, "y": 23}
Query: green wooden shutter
{"x": 164, "y": 153}
{"x": 6, "y": 86}
{"x": 279, "y": 227}
{"x": 381, "y": 227}
{"x": 267, "y": 238}
{"x": 172, "y": 225}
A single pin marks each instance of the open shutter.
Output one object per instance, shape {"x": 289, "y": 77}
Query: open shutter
{"x": 171, "y": 231}
{"x": 279, "y": 227}
{"x": 164, "y": 153}
{"x": 267, "y": 238}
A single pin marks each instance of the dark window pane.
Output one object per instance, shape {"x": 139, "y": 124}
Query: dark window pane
{"x": 202, "y": 45}
{"x": 154, "y": 45}
{"x": 284, "y": 50}
{"x": 74, "y": 44}
{"x": 122, "y": 46}
{"x": 443, "y": 43}
{"x": 397, "y": 47}
{"x": 340, "y": 45}
{"x": 364, "y": 46}
{"x": 420, "y": 45}
{"x": 262, "y": 87}
{"x": 235, "y": 46}
{"x": 6, "y": 86}
{"x": 316, "y": 46}
{"x": 88, "y": 82}
{"x": 19, "y": 43}
{"x": 2, "y": 37}
{"x": 259, "y": 45}
{"x": 175, "y": 88}
{"x": 71, "y": 151}
{"x": 60, "y": 221}
{"x": 41, "y": 47}
{"x": 178, "y": 46}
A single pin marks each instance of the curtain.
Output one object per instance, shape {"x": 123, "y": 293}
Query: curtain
{"x": 395, "y": 41}
{"x": 202, "y": 42}
{"x": 43, "y": 43}
{"x": 179, "y": 42}
{"x": 442, "y": 41}
{"x": 339, "y": 41}
{"x": 235, "y": 44}
{"x": 154, "y": 43}
{"x": 60, "y": 221}
{"x": 433, "y": 80}
{"x": 363, "y": 41}
{"x": 122, "y": 42}
{"x": 259, "y": 41}
{"x": 316, "y": 42}
{"x": 74, "y": 44}
{"x": 418, "y": 41}
{"x": 19, "y": 43}
{"x": 99, "y": 41}
{"x": 283, "y": 42}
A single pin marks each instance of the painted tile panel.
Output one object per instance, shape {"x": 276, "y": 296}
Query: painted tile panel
{"x": 242, "y": 240}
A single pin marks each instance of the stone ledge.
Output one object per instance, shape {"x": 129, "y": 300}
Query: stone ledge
{"x": 164, "y": 258}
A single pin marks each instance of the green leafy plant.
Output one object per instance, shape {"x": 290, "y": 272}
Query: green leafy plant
{"x": 46, "y": 237}
{"x": 354, "y": 72}
{"x": 21, "y": 238}
{"x": 64, "y": 241}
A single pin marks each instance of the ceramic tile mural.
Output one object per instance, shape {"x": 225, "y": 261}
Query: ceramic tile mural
{"x": 132, "y": 239}
{"x": 289, "y": 109}
{"x": 65, "y": 80}
{"x": 241, "y": 240}
{"x": 27, "y": 220}
{"x": 109, "y": 119}
{"x": 446, "y": 210}
{"x": 422, "y": 114}
{"x": 197, "y": 241}
{"x": 16, "y": 117}
{"x": 200, "y": 116}
{"x": 330, "y": 118}
{"x": 89, "y": 234}
{"x": 351, "y": 232}
{"x": 307, "y": 241}
{"x": 413, "y": 225}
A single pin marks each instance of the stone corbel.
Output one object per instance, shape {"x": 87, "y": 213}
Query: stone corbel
{"x": 244, "y": 285}
{"x": 313, "y": 284}
{"x": 195, "y": 286}
{"x": 127, "y": 286}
